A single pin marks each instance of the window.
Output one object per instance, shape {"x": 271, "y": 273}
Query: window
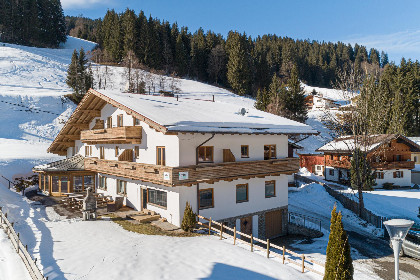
{"x": 269, "y": 152}
{"x": 77, "y": 183}
{"x": 102, "y": 183}
{"x": 160, "y": 156}
{"x": 331, "y": 172}
{"x": 398, "y": 174}
{"x": 47, "y": 183}
{"x": 109, "y": 122}
{"x": 102, "y": 152}
{"x": 331, "y": 157}
{"x": 245, "y": 151}
{"x": 88, "y": 181}
{"x": 157, "y": 197}
{"x": 379, "y": 175}
{"x": 398, "y": 158}
{"x": 55, "y": 186}
{"x": 136, "y": 121}
{"x": 415, "y": 159}
{"x": 120, "y": 120}
{"x": 206, "y": 199}
{"x": 116, "y": 151}
{"x": 137, "y": 151}
{"x": 319, "y": 167}
{"x": 121, "y": 187}
{"x": 88, "y": 151}
{"x": 205, "y": 154}
{"x": 270, "y": 189}
{"x": 241, "y": 193}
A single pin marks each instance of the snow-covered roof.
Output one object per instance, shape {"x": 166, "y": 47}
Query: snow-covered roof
{"x": 192, "y": 115}
{"x": 75, "y": 163}
{"x": 347, "y": 143}
{"x": 415, "y": 140}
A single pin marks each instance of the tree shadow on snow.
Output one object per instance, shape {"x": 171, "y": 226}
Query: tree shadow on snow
{"x": 224, "y": 271}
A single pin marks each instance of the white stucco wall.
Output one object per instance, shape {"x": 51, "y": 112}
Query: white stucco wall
{"x": 389, "y": 178}
{"x": 189, "y": 142}
{"x": 225, "y": 205}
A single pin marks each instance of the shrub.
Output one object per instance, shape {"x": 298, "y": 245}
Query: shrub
{"x": 189, "y": 219}
{"x": 388, "y": 186}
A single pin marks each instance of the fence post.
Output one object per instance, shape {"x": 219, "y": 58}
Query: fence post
{"x": 284, "y": 251}
{"x": 320, "y": 226}
{"x": 210, "y": 226}
{"x": 17, "y": 247}
{"x": 303, "y": 263}
{"x": 268, "y": 248}
{"x": 234, "y": 235}
{"x": 221, "y": 232}
{"x": 252, "y": 244}
{"x": 303, "y": 221}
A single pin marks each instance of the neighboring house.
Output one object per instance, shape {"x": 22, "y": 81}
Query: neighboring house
{"x": 320, "y": 102}
{"x": 314, "y": 163}
{"x": 389, "y": 156}
{"x": 415, "y": 157}
{"x": 159, "y": 152}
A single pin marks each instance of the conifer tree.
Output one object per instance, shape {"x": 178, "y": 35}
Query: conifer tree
{"x": 238, "y": 68}
{"x": 263, "y": 99}
{"x": 79, "y": 75}
{"x": 339, "y": 264}
{"x": 296, "y": 102}
{"x": 189, "y": 219}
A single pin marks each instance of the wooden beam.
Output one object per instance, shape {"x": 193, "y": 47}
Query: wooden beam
{"x": 82, "y": 126}
{"x": 72, "y": 136}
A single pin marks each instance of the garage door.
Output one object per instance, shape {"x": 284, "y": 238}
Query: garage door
{"x": 273, "y": 223}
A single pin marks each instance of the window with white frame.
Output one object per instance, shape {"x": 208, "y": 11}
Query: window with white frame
{"x": 157, "y": 197}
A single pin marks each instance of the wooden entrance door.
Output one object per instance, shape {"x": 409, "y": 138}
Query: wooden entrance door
{"x": 273, "y": 223}
{"x": 60, "y": 184}
{"x": 246, "y": 226}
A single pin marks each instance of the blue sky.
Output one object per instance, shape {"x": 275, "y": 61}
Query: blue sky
{"x": 385, "y": 25}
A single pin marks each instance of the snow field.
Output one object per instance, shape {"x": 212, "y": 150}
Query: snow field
{"x": 11, "y": 265}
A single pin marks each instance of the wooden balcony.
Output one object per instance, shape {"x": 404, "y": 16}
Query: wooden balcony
{"x": 393, "y": 165}
{"x": 189, "y": 175}
{"x": 117, "y": 135}
{"x": 338, "y": 163}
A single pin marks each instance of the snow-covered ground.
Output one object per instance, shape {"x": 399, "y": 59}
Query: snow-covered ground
{"x": 391, "y": 203}
{"x": 74, "y": 249}
{"x": 11, "y": 265}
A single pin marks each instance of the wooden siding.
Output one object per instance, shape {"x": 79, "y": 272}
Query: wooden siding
{"x": 203, "y": 173}
{"x": 126, "y": 155}
{"x": 123, "y": 135}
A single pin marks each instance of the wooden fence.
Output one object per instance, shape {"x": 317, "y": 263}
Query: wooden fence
{"x": 284, "y": 254}
{"x": 21, "y": 250}
{"x": 348, "y": 203}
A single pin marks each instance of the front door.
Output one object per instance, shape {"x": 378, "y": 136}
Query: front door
{"x": 246, "y": 227}
{"x": 144, "y": 199}
{"x": 273, "y": 223}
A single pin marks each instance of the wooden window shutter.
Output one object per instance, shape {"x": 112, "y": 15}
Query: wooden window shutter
{"x": 116, "y": 151}
{"x": 395, "y": 174}
{"x": 228, "y": 156}
{"x": 401, "y": 174}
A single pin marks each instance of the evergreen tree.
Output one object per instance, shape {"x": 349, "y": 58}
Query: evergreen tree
{"x": 296, "y": 102}
{"x": 189, "y": 220}
{"x": 129, "y": 31}
{"x": 79, "y": 75}
{"x": 181, "y": 56}
{"x": 199, "y": 55}
{"x": 384, "y": 59}
{"x": 339, "y": 264}
{"x": 238, "y": 68}
{"x": 263, "y": 100}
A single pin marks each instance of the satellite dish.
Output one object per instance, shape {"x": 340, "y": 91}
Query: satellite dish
{"x": 243, "y": 111}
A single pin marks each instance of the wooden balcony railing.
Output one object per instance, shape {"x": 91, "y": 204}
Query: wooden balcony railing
{"x": 338, "y": 163}
{"x": 117, "y": 135}
{"x": 393, "y": 165}
{"x": 189, "y": 175}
